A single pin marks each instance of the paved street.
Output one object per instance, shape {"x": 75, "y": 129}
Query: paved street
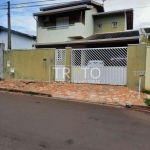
{"x": 34, "y": 123}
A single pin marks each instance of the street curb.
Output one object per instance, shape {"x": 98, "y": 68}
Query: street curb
{"x": 25, "y": 92}
{"x": 132, "y": 107}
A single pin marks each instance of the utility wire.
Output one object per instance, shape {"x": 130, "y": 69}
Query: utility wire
{"x": 3, "y": 5}
{"x": 17, "y": 7}
{"x": 33, "y": 2}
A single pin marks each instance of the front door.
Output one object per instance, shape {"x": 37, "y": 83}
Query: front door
{"x": 60, "y": 63}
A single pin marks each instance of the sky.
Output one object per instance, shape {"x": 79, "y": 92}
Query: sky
{"x": 22, "y": 18}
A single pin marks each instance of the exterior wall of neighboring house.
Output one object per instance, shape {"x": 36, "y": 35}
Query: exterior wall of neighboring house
{"x": 136, "y": 62}
{"x": 2, "y": 46}
{"x": 17, "y": 41}
{"x": 149, "y": 41}
{"x": 30, "y": 65}
{"x": 106, "y": 22}
{"x": 147, "y": 78}
{"x": 79, "y": 29}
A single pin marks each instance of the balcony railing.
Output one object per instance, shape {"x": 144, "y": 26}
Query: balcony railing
{"x": 58, "y": 27}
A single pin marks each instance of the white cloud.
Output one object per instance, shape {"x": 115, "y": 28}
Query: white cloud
{"x": 27, "y": 22}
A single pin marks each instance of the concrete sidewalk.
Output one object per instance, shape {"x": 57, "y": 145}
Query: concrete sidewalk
{"x": 104, "y": 94}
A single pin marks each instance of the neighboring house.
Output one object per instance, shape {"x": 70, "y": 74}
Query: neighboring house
{"x": 84, "y": 24}
{"x": 19, "y": 40}
{"x": 146, "y": 35}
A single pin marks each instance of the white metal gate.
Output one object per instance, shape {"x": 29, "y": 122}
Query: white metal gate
{"x": 60, "y": 63}
{"x": 99, "y": 65}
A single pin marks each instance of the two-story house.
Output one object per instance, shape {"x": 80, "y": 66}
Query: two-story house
{"x": 83, "y": 24}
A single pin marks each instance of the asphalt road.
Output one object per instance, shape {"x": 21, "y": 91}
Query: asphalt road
{"x": 34, "y": 123}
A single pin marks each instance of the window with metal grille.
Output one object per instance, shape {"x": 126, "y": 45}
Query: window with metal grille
{"x": 114, "y": 24}
{"x": 59, "y": 55}
{"x": 62, "y": 22}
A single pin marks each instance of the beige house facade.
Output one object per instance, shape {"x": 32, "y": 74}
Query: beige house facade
{"x": 61, "y": 24}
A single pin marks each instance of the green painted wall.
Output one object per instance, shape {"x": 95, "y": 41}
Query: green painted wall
{"x": 106, "y": 22}
{"x": 68, "y": 62}
{"x": 136, "y": 62}
{"x": 147, "y": 78}
{"x": 149, "y": 41}
{"x": 30, "y": 64}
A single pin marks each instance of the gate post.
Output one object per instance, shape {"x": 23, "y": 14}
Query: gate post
{"x": 136, "y": 63}
{"x": 147, "y": 78}
{"x": 68, "y": 62}
{"x": 2, "y": 46}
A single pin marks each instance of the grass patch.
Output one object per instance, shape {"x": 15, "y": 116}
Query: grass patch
{"x": 146, "y": 91}
{"x": 147, "y": 102}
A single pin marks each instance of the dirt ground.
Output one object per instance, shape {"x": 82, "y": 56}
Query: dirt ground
{"x": 87, "y": 92}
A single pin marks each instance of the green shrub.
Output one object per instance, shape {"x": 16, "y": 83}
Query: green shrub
{"x": 146, "y": 91}
{"x": 147, "y": 102}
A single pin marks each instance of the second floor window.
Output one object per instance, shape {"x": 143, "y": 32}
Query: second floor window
{"x": 99, "y": 26}
{"x": 114, "y": 24}
{"x": 62, "y": 22}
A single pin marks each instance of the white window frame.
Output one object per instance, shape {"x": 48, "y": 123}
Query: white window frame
{"x": 99, "y": 25}
{"x": 114, "y": 24}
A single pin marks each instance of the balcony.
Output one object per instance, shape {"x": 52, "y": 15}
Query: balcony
{"x": 61, "y": 33}
{"x": 59, "y": 27}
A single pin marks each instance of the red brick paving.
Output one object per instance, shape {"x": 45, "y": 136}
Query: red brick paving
{"x": 87, "y": 92}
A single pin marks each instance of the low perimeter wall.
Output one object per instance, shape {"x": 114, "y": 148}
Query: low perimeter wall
{"x": 2, "y": 47}
{"x": 29, "y": 64}
{"x": 38, "y": 64}
{"x": 138, "y": 61}
{"x": 147, "y": 78}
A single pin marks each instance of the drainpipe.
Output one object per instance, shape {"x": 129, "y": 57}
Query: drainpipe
{"x": 125, "y": 25}
{"x": 36, "y": 29}
{"x": 35, "y": 18}
{"x": 140, "y": 79}
{"x": 147, "y": 35}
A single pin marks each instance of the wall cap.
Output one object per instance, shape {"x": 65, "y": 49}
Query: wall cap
{"x": 137, "y": 44}
{"x": 30, "y": 49}
{"x": 68, "y": 47}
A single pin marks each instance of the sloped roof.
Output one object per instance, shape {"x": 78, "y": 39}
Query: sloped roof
{"x": 17, "y": 32}
{"x": 74, "y": 3}
{"x": 147, "y": 30}
{"x": 100, "y": 38}
{"x": 61, "y": 10}
{"x": 113, "y": 12}
{"x": 113, "y": 35}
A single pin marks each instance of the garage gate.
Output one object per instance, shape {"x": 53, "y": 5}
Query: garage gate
{"x": 99, "y": 66}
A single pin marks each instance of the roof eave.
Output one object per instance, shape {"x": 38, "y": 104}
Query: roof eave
{"x": 89, "y": 41}
{"x": 113, "y": 12}
{"x": 71, "y": 4}
{"x": 18, "y": 33}
{"x": 61, "y": 10}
